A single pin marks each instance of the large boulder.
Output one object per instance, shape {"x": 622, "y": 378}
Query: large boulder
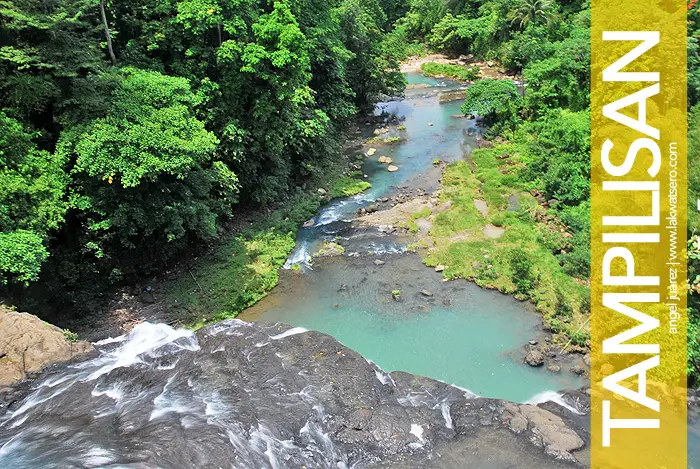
{"x": 27, "y": 344}
{"x": 534, "y": 357}
{"x": 244, "y": 395}
{"x": 330, "y": 249}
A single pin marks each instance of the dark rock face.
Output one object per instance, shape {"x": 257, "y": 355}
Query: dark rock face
{"x": 247, "y": 395}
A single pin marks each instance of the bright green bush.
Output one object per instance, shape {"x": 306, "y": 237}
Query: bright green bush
{"x": 497, "y": 101}
{"x": 458, "y": 72}
{"x": 347, "y": 186}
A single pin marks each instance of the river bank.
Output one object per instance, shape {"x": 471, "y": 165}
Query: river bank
{"x": 237, "y": 394}
{"x": 424, "y": 180}
{"x": 220, "y": 280}
{"x": 376, "y": 295}
{"x": 483, "y": 226}
{"x": 371, "y": 289}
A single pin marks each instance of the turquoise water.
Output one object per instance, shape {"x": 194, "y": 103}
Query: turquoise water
{"x": 694, "y": 445}
{"x": 449, "y": 138}
{"x": 462, "y": 334}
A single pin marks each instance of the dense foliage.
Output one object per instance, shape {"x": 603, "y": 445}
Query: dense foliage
{"x": 542, "y": 152}
{"x": 497, "y": 101}
{"x": 133, "y": 130}
{"x": 547, "y": 43}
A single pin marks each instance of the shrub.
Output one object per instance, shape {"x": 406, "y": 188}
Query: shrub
{"x": 525, "y": 276}
{"x": 70, "y": 335}
{"x": 458, "y": 72}
{"x": 497, "y": 101}
{"x": 347, "y": 186}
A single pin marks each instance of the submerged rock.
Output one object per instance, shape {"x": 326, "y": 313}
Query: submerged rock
{"x": 454, "y": 95}
{"x": 245, "y": 395}
{"x": 379, "y": 262}
{"x": 391, "y": 168}
{"x": 28, "y": 344}
{"x": 330, "y": 249}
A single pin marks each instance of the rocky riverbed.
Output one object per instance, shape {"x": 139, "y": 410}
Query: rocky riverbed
{"x": 246, "y": 395}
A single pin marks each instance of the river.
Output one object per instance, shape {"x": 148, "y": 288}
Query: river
{"x": 474, "y": 342}
{"x": 241, "y": 395}
{"x": 462, "y": 334}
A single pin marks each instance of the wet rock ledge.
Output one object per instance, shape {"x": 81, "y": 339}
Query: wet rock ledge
{"x": 246, "y": 395}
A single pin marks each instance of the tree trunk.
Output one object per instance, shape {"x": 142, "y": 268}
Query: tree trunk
{"x": 218, "y": 30}
{"x": 112, "y": 57}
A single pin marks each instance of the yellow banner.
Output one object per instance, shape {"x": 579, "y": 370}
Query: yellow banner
{"x": 638, "y": 238}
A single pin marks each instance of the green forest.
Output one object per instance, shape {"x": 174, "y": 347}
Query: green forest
{"x": 132, "y": 133}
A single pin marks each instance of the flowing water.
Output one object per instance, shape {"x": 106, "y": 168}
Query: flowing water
{"x": 475, "y": 341}
{"x": 462, "y": 334}
{"x": 430, "y": 132}
{"x": 239, "y": 395}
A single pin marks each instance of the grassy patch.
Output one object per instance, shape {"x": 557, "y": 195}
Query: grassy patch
{"x": 330, "y": 248}
{"x": 347, "y": 186}
{"x": 460, "y": 186}
{"x": 425, "y": 212}
{"x": 458, "y": 72}
{"x": 523, "y": 261}
{"x": 241, "y": 271}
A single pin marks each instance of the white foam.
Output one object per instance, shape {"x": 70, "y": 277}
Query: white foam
{"x": 445, "y": 408}
{"x": 228, "y": 326}
{"x": 417, "y": 399}
{"x": 111, "y": 340}
{"x": 98, "y": 457}
{"x": 384, "y": 378}
{"x": 290, "y": 332}
{"x": 143, "y": 338}
{"x": 552, "y": 396}
{"x": 115, "y": 393}
{"x": 417, "y": 431}
{"x": 167, "y": 402}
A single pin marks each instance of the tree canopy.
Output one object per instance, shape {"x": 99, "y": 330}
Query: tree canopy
{"x": 132, "y": 130}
